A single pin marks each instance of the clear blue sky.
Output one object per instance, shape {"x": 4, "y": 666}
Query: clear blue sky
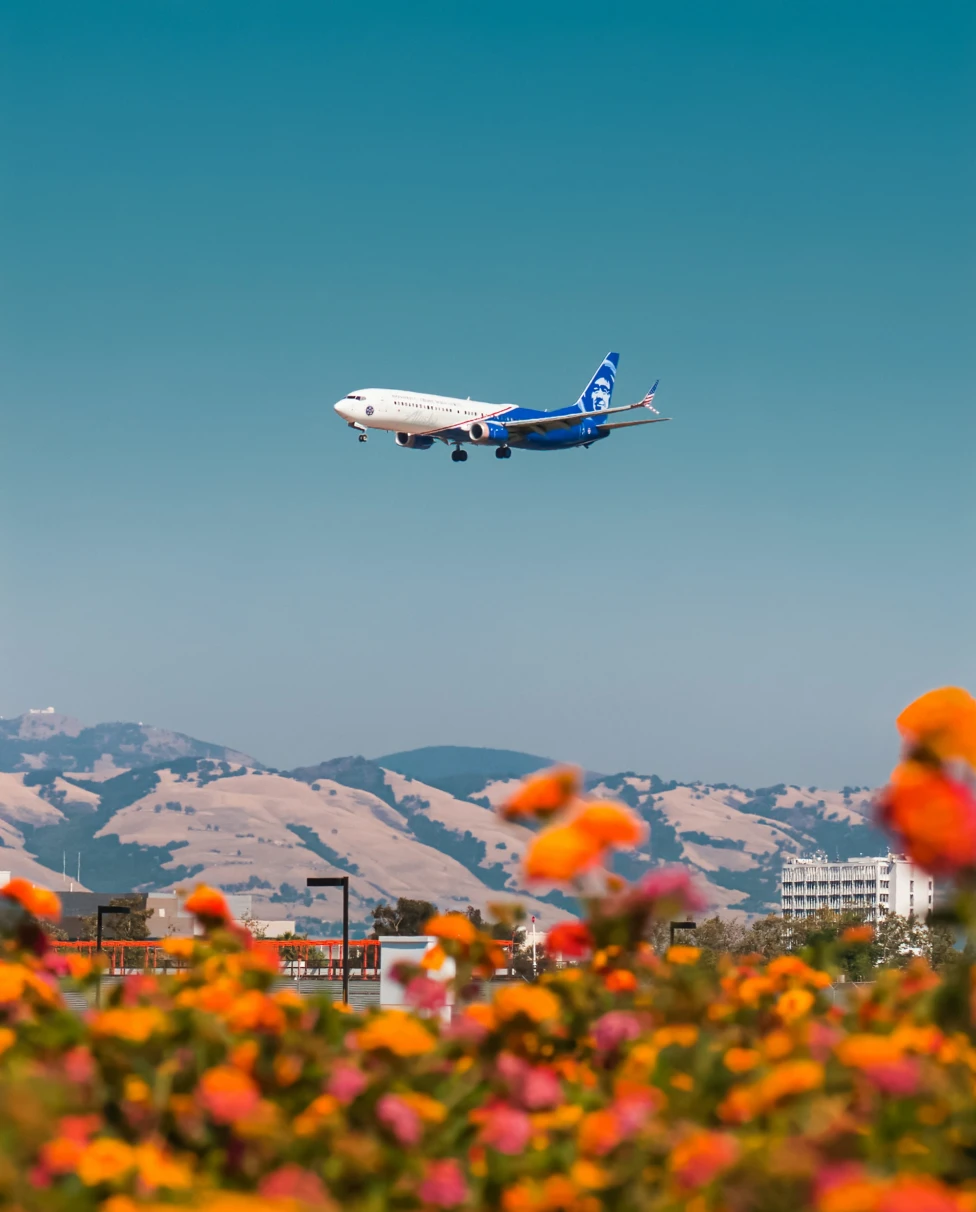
{"x": 219, "y": 218}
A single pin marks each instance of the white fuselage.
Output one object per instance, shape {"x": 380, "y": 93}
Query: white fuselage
{"x": 413, "y": 412}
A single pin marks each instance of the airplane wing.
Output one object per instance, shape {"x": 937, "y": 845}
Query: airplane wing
{"x": 564, "y": 420}
{"x": 627, "y": 424}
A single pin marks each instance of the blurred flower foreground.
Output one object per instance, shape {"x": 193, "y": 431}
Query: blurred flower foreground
{"x": 622, "y": 1079}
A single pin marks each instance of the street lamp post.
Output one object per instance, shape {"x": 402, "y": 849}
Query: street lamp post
{"x": 102, "y": 909}
{"x": 338, "y": 881}
{"x": 681, "y": 926}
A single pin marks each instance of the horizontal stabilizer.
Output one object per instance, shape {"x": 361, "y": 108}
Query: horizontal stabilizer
{"x": 627, "y": 424}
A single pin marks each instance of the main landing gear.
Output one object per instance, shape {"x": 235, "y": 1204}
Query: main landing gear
{"x": 459, "y": 456}
{"x": 503, "y": 452}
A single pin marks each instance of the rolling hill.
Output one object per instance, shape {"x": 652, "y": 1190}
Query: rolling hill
{"x": 418, "y": 824}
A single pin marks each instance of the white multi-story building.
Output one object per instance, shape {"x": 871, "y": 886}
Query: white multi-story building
{"x": 874, "y": 887}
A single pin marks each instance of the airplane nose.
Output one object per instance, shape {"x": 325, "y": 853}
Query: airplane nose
{"x": 340, "y": 407}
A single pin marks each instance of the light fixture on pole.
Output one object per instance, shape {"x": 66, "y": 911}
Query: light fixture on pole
{"x": 681, "y": 926}
{"x": 102, "y": 909}
{"x": 338, "y": 881}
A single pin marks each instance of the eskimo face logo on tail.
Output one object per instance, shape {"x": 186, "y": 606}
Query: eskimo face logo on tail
{"x": 600, "y": 393}
{"x": 602, "y": 386}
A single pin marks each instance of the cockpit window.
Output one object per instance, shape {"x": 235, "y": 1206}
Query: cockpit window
{"x": 355, "y": 397}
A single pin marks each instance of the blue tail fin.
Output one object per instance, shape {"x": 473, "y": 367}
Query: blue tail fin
{"x": 600, "y": 389}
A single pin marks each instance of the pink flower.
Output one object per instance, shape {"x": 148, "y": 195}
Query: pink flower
{"x": 293, "y": 1182}
{"x": 504, "y": 1128}
{"x": 78, "y": 1065}
{"x": 400, "y": 1118}
{"x": 425, "y": 994}
{"x": 670, "y": 888}
{"x": 347, "y": 1083}
{"x": 899, "y": 1078}
{"x": 443, "y": 1185}
{"x": 534, "y": 1086}
{"x": 822, "y": 1039}
{"x": 465, "y": 1030}
{"x": 632, "y": 1110}
{"x": 614, "y": 1029}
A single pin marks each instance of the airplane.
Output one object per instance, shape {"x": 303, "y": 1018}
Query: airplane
{"x": 419, "y": 420}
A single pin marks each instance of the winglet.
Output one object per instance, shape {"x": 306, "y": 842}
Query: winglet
{"x": 648, "y": 400}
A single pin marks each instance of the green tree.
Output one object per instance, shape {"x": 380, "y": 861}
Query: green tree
{"x": 405, "y": 917}
{"x": 127, "y": 927}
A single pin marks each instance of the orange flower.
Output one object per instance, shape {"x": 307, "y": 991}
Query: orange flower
{"x": 741, "y": 1060}
{"x": 943, "y": 722}
{"x": 38, "y": 901}
{"x": 858, "y": 934}
{"x": 398, "y": 1032}
{"x": 533, "y": 1001}
{"x": 453, "y": 926}
{"x": 207, "y": 904}
{"x": 561, "y": 853}
{"x": 105, "y": 1160}
{"x": 544, "y": 794}
{"x": 702, "y": 1156}
{"x": 599, "y": 1132}
{"x": 227, "y": 1093}
{"x": 620, "y": 980}
{"x": 794, "y": 1004}
{"x": 610, "y": 825}
{"x": 570, "y": 939}
{"x": 934, "y": 814}
{"x": 683, "y": 955}
{"x": 866, "y": 1051}
{"x": 255, "y": 1011}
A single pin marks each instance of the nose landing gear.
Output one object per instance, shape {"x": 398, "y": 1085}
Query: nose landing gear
{"x": 503, "y": 452}
{"x": 362, "y": 437}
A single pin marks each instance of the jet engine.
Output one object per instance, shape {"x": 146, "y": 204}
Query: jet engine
{"x": 414, "y": 441}
{"x": 487, "y": 431}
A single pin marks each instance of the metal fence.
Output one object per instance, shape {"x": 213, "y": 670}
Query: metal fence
{"x": 311, "y": 959}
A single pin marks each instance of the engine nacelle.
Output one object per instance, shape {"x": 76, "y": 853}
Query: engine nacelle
{"x": 487, "y": 431}
{"x": 414, "y": 441}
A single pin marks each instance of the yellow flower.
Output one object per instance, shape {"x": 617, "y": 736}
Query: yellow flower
{"x": 683, "y": 955}
{"x": 534, "y": 1002}
{"x": 685, "y": 1035}
{"x": 588, "y": 1175}
{"x": 429, "y": 1109}
{"x": 105, "y": 1160}
{"x": 179, "y": 948}
{"x": 561, "y": 853}
{"x": 453, "y": 926}
{"x": 134, "y": 1024}
{"x": 398, "y": 1032}
{"x": 158, "y": 1168}
{"x": 38, "y": 901}
{"x": 610, "y": 825}
{"x": 944, "y": 721}
{"x": 794, "y": 1004}
{"x": 13, "y": 977}
{"x": 135, "y": 1090}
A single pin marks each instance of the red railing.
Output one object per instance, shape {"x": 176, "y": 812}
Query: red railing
{"x": 314, "y": 958}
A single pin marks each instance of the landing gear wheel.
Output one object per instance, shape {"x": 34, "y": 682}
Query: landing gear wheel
{"x": 503, "y": 452}
{"x": 362, "y": 437}
{"x": 458, "y": 456}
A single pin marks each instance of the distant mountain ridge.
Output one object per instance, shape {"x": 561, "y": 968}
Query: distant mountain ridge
{"x": 416, "y": 823}
{"x": 47, "y": 740}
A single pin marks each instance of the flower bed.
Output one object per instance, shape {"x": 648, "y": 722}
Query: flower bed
{"x": 624, "y": 1080}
